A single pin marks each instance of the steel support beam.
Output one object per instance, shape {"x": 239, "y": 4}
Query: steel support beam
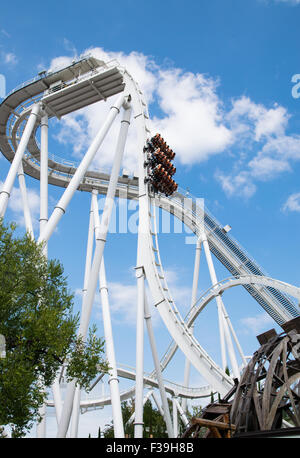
{"x": 223, "y": 328}
{"x": 109, "y": 341}
{"x": 88, "y": 262}
{"x": 41, "y": 427}
{"x": 9, "y": 182}
{"x": 139, "y": 377}
{"x": 156, "y": 361}
{"x": 187, "y": 367}
{"x": 94, "y": 274}
{"x": 26, "y": 209}
{"x": 64, "y": 201}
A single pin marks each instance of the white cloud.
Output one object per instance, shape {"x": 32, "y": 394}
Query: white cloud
{"x": 257, "y": 120}
{"x": 123, "y": 299}
{"x": 70, "y": 47}
{"x": 275, "y": 157}
{"x": 122, "y": 302}
{"x": 266, "y": 167}
{"x": 272, "y": 121}
{"x": 15, "y": 204}
{"x": 74, "y": 125}
{"x": 79, "y": 128}
{"x": 239, "y": 184}
{"x": 180, "y": 293}
{"x": 283, "y": 147}
{"x": 292, "y": 203}
{"x": 258, "y": 323}
{"x": 194, "y": 122}
{"x": 289, "y": 2}
{"x": 192, "y": 117}
{"x": 4, "y": 32}
{"x": 59, "y": 62}
{"x": 10, "y": 58}
{"x": 260, "y": 131}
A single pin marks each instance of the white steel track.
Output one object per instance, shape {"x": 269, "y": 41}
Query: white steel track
{"x": 173, "y": 389}
{"x": 15, "y": 110}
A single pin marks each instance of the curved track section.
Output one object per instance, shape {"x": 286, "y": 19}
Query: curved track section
{"x": 112, "y": 79}
{"x": 13, "y": 115}
{"x": 150, "y": 381}
{"x": 212, "y": 373}
{"x": 226, "y": 284}
{"x": 277, "y": 304}
{"x": 220, "y": 288}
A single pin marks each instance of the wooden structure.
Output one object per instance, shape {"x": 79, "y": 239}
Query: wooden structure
{"x": 267, "y": 396}
{"x": 269, "y": 388}
{"x": 216, "y": 419}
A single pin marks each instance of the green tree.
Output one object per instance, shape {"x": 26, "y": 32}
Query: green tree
{"x": 154, "y": 424}
{"x": 37, "y": 321}
{"x": 127, "y": 408}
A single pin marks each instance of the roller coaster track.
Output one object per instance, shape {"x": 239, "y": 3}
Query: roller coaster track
{"x": 173, "y": 389}
{"x": 276, "y": 301}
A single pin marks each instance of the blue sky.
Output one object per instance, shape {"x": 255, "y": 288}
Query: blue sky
{"x": 217, "y": 76}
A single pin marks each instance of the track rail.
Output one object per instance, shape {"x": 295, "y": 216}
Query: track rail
{"x": 173, "y": 389}
{"x": 13, "y": 115}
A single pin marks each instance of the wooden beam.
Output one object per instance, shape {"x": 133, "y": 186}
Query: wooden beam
{"x": 212, "y": 423}
{"x": 215, "y": 432}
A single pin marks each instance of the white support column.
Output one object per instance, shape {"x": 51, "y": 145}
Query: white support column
{"x": 231, "y": 352}
{"x": 139, "y": 368}
{"x": 142, "y": 246}
{"x": 156, "y": 361}
{"x": 26, "y": 209}
{"x": 93, "y": 279}
{"x": 158, "y": 405}
{"x": 41, "y": 427}
{"x": 110, "y": 352}
{"x": 89, "y": 249}
{"x": 43, "y": 222}
{"x": 187, "y": 367}
{"x": 44, "y": 177}
{"x": 75, "y": 412}
{"x": 146, "y": 397}
{"x": 234, "y": 336}
{"x": 64, "y": 201}
{"x": 175, "y": 416}
{"x": 57, "y": 398}
{"x": 104, "y": 226}
{"x": 223, "y": 326}
{"x": 181, "y": 412}
{"x": 218, "y": 299}
{"x": 9, "y": 182}
{"x": 196, "y": 272}
{"x": 88, "y": 262}
{"x": 109, "y": 341}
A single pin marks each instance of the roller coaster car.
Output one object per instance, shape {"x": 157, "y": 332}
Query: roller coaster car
{"x": 161, "y": 169}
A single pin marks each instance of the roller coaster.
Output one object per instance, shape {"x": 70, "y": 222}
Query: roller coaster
{"x": 55, "y": 94}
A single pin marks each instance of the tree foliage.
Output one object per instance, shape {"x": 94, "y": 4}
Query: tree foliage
{"x": 40, "y": 330}
{"x": 154, "y": 424}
